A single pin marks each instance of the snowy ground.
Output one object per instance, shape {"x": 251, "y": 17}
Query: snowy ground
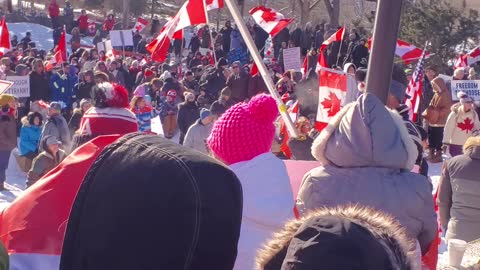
{"x": 41, "y": 35}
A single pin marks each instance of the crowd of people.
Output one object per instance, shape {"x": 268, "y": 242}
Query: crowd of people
{"x": 371, "y": 155}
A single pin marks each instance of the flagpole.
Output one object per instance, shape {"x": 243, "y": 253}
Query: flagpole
{"x": 341, "y": 45}
{"x": 210, "y": 32}
{"x": 261, "y": 67}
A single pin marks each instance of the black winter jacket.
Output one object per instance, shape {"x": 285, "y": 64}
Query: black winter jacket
{"x": 188, "y": 113}
{"x": 39, "y": 87}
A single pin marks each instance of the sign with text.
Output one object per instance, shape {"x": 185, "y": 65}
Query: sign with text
{"x": 470, "y": 87}
{"x": 20, "y": 87}
{"x": 291, "y": 59}
{"x": 4, "y": 86}
{"x": 121, "y": 38}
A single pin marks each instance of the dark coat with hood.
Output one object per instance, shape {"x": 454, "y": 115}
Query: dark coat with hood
{"x": 216, "y": 79}
{"x": 85, "y": 90}
{"x": 239, "y": 83}
{"x": 185, "y": 212}
{"x": 367, "y": 155}
{"x": 188, "y": 113}
{"x": 220, "y": 106}
{"x": 39, "y": 87}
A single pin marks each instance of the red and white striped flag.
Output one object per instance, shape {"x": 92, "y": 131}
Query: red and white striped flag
{"x": 333, "y": 90}
{"x": 404, "y": 50}
{"x": 414, "y": 90}
{"x": 5, "y": 44}
{"x": 214, "y": 4}
{"x": 269, "y": 19}
{"x": 338, "y": 36}
{"x": 191, "y": 13}
{"x": 56, "y": 60}
{"x": 140, "y": 25}
{"x": 461, "y": 61}
{"x": 473, "y": 56}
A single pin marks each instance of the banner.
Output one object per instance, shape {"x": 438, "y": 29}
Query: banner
{"x": 291, "y": 59}
{"x": 121, "y": 38}
{"x": 470, "y": 87}
{"x": 20, "y": 87}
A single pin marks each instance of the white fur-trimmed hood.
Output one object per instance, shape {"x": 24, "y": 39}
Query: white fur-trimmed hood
{"x": 366, "y": 134}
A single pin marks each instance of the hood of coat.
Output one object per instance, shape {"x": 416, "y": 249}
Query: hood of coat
{"x": 458, "y": 108}
{"x": 163, "y": 206}
{"x": 366, "y": 134}
{"x": 347, "y": 66}
{"x": 439, "y": 85}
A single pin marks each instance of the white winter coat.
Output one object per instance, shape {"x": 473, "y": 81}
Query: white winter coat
{"x": 460, "y": 126}
{"x": 267, "y": 204}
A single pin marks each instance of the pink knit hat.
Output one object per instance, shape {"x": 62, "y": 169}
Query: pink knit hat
{"x": 245, "y": 130}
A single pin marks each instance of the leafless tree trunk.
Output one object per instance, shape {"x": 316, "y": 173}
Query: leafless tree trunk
{"x": 306, "y": 7}
{"x": 126, "y": 13}
{"x": 333, "y": 9}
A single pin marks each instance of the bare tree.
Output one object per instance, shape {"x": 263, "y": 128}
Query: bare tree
{"x": 126, "y": 13}
{"x": 306, "y": 7}
{"x": 333, "y": 9}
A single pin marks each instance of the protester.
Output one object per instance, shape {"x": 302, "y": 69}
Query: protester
{"x": 208, "y": 194}
{"x": 187, "y": 115}
{"x": 151, "y": 88}
{"x": 458, "y": 74}
{"x": 68, "y": 16}
{"x": 216, "y": 79}
{"x": 376, "y": 160}
{"x": 168, "y": 113}
{"x": 427, "y": 94}
{"x": 118, "y": 77}
{"x": 57, "y": 126}
{"x": 84, "y": 88}
{"x": 242, "y": 138}
{"x": 190, "y": 84}
{"x": 83, "y": 22}
{"x": 110, "y": 114}
{"x": 62, "y": 84}
{"x": 359, "y": 238}
{"x": 472, "y": 74}
{"x": 226, "y": 31}
{"x": 223, "y": 103}
{"x": 76, "y": 39}
{"x": 54, "y": 12}
{"x": 457, "y": 194}
{"x": 30, "y": 137}
{"x": 144, "y": 113}
{"x": 74, "y": 123}
{"x": 39, "y": 87}
{"x": 238, "y": 83}
{"x": 301, "y": 146}
{"x": 109, "y": 23}
{"x": 8, "y": 133}
{"x": 198, "y": 133}
{"x": 286, "y": 84}
{"x": 462, "y": 123}
{"x": 436, "y": 114}
{"x": 48, "y": 159}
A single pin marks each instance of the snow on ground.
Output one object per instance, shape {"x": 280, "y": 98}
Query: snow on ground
{"x": 41, "y": 35}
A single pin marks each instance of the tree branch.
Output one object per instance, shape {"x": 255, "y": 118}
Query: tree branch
{"x": 329, "y": 7}
{"x": 312, "y": 6}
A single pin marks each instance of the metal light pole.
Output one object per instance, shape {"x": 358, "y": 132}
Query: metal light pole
{"x": 383, "y": 47}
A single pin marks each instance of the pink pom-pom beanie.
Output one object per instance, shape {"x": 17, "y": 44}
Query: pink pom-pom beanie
{"x": 245, "y": 130}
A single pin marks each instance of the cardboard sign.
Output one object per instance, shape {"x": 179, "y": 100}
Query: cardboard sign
{"x": 470, "y": 87}
{"x": 20, "y": 87}
{"x": 121, "y": 38}
{"x": 291, "y": 59}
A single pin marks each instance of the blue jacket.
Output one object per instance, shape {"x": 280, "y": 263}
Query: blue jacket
{"x": 144, "y": 117}
{"x": 166, "y": 107}
{"x": 29, "y": 137}
{"x": 62, "y": 87}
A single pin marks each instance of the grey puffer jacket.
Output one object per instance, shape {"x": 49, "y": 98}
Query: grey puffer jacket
{"x": 367, "y": 156}
{"x": 458, "y": 200}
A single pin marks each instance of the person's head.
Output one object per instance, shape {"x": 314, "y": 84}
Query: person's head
{"x": 236, "y": 67}
{"x": 107, "y": 95}
{"x": 100, "y": 77}
{"x": 84, "y": 12}
{"x": 35, "y": 119}
{"x": 466, "y": 101}
{"x": 409, "y": 74}
{"x": 28, "y": 34}
{"x": 88, "y": 76}
{"x": 361, "y": 238}
{"x": 138, "y": 102}
{"x": 251, "y": 123}
{"x": 52, "y": 145}
{"x": 458, "y": 74}
{"x": 284, "y": 45}
{"x": 75, "y": 31}
{"x": 38, "y": 66}
{"x": 303, "y": 125}
{"x": 113, "y": 66}
{"x": 85, "y": 104}
{"x": 66, "y": 67}
{"x": 396, "y": 95}
{"x": 110, "y": 17}
{"x": 171, "y": 95}
{"x": 226, "y": 93}
{"x": 101, "y": 66}
{"x": 189, "y": 76}
{"x": 55, "y": 108}
{"x": 349, "y": 68}
{"x": 206, "y": 117}
{"x": 85, "y": 55}
{"x": 74, "y": 61}
{"x": 228, "y": 23}
{"x": 189, "y": 96}
{"x": 472, "y": 73}
{"x": 22, "y": 70}
{"x": 431, "y": 72}
{"x": 156, "y": 84}
{"x": 198, "y": 55}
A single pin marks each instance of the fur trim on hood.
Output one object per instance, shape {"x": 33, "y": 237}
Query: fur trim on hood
{"x": 382, "y": 226}
{"x": 359, "y": 130}
{"x": 439, "y": 85}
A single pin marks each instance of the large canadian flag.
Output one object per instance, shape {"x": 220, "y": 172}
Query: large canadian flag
{"x": 214, "y": 4}
{"x": 191, "y": 13}
{"x": 269, "y": 19}
{"x": 333, "y": 91}
{"x": 5, "y": 45}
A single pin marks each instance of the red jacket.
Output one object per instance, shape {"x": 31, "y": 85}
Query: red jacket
{"x": 53, "y": 10}
{"x": 83, "y": 22}
{"x": 108, "y": 25}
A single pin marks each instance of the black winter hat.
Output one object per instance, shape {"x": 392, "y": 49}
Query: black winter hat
{"x": 147, "y": 203}
{"x": 222, "y": 62}
{"x": 361, "y": 74}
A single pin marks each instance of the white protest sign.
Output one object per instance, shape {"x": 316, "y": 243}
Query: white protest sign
{"x": 20, "y": 87}
{"x": 101, "y": 47}
{"x": 470, "y": 87}
{"x": 121, "y": 38}
{"x": 204, "y": 51}
{"x": 4, "y": 86}
{"x": 291, "y": 59}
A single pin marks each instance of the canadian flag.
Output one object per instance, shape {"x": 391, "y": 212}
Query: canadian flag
{"x": 62, "y": 44}
{"x": 143, "y": 62}
{"x": 473, "y": 56}
{"x": 54, "y": 61}
{"x": 338, "y": 36}
{"x": 404, "y": 50}
{"x": 461, "y": 61}
{"x": 333, "y": 90}
{"x": 269, "y": 19}
{"x": 5, "y": 44}
{"x": 32, "y": 228}
{"x": 140, "y": 25}
{"x": 191, "y": 13}
{"x": 111, "y": 55}
{"x": 293, "y": 111}
{"x": 214, "y": 4}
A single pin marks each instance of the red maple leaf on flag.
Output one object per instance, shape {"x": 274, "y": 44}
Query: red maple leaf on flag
{"x": 268, "y": 15}
{"x": 138, "y": 28}
{"x": 332, "y": 103}
{"x": 466, "y": 125}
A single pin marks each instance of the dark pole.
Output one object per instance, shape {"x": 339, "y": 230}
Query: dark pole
{"x": 383, "y": 47}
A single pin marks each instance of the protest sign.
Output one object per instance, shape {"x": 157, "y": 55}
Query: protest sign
{"x": 470, "y": 87}
{"x": 121, "y": 38}
{"x": 20, "y": 87}
{"x": 291, "y": 59}
{"x": 204, "y": 51}
{"x": 4, "y": 86}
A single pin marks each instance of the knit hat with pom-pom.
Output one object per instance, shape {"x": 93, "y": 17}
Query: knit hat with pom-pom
{"x": 107, "y": 95}
{"x": 245, "y": 130}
